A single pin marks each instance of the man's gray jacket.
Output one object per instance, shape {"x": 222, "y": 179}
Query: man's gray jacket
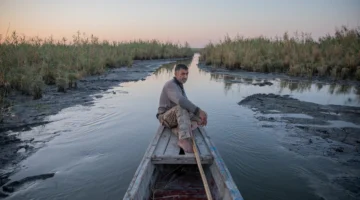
{"x": 173, "y": 94}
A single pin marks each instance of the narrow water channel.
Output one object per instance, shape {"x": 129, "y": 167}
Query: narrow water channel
{"x": 96, "y": 149}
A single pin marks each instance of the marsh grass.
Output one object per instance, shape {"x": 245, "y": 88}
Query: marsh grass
{"x": 336, "y": 56}
{"x": 28, "y": 64}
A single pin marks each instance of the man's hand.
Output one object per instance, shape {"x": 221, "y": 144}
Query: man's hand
{"x": 203, "y": 117}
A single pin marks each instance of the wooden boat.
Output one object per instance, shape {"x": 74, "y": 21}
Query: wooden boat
{"x": 166, "y": 172}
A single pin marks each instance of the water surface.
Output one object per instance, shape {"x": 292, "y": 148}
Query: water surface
{"x": 95, "y": 150}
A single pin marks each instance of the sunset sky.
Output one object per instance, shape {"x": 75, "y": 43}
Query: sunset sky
{"x": 197, "y": 22}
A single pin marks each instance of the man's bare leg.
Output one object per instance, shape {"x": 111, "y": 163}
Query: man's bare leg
{"x": 187, "y": 144}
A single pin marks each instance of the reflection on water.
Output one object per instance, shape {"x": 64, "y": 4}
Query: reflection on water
{"x": 343, "y": 89}
{"x": 296, "y": 85}
{"x": 351, "y": 94}
{"x": 319, "y": 86}
{"x": 168, "y": 68}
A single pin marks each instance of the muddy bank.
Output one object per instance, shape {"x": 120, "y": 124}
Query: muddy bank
{"x": 274, "y": 104}
{"x": 11, "y": 187}
{"x": 25, "y": 113}
{"x": 329, "y": 131}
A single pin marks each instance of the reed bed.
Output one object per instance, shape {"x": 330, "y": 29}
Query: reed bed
{"x": 336, "y": 56}
{"x": 28, "y": 64}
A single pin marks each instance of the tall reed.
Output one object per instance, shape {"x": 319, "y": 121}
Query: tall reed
{"x": 28, "y": 64}
{"x": 336, "y": 56}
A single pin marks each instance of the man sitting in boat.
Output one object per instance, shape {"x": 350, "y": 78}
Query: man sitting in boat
{"x": 176, "y": 111}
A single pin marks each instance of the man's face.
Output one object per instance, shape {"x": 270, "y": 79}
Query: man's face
{"x": 182, "y": 75}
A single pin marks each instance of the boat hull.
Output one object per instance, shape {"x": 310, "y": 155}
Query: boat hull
{"x": 181, "y": 180}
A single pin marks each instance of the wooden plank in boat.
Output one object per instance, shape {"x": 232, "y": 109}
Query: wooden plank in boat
{"x": 201, "y": 144}
{"x": 172, "y": 148}
{"x": 163, "y": 142}
{"x": 168, "y": 152}
{"x": 181, "y": 159}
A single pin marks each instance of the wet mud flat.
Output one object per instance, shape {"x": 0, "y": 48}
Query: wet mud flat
{"x": 327, "y": 131}
{"x": 24, "y": 113}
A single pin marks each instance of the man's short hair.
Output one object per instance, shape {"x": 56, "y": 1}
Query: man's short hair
{"x": 181, "y": 66}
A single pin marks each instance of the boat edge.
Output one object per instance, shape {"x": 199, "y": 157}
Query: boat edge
{"x": 146, "y": 160}
{"x": 225, "y": 174}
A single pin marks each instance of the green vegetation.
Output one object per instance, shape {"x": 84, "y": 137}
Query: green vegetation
{"x": 28, "y": 64}
{"x": 196, "y": 50}
{"x": 336, "y": 56}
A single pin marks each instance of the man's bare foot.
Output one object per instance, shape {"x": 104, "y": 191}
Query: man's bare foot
{"x": 186, "y": 145}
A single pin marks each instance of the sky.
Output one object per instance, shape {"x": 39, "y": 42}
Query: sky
{"x": 197, "y": 22}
